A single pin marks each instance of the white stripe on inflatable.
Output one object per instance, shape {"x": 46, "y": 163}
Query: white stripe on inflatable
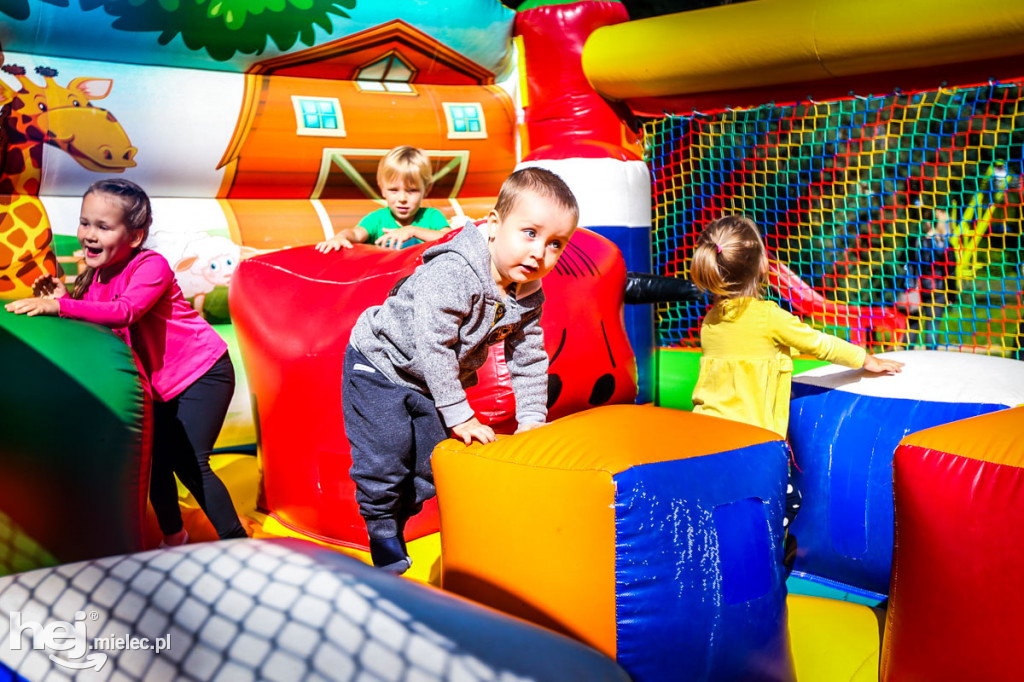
{"x": 935, "y": 376}
{"x": 325, "y": 219}
{"x": 610, "y": 192}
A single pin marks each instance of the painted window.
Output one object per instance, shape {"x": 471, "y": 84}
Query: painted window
{"x": 389, "y": 74}
{"x": 465, "y": 120}
{"x": 318, "y": 116}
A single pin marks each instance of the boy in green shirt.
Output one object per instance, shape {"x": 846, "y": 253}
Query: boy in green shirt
{"x": 404, "y": 178}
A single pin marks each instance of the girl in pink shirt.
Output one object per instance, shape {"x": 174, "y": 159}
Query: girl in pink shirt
{"x": 186, "y": 363}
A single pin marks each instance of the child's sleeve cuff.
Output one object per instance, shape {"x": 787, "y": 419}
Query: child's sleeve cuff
{"x": 531, "y": 418}
{"x": 453, "y": 415}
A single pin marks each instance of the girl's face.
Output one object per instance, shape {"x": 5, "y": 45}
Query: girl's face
{"x": 102, "y": 232}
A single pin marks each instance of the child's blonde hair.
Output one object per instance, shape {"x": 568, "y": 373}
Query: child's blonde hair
{"x": 410, "y": 164}
{"x": 729, "y": 259}
{"x": 539, "y": 181}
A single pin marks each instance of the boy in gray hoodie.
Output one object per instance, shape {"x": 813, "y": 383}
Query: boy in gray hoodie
{"x": 409, "y": 360}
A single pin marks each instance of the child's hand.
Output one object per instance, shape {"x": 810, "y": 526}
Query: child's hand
{"x": 880, "y": 365}
{"x": 335, "y": 243}
{"x": 523, "y": 428}
{"x": 394, "y": 238}
{"x": 49, "y": 286}
{"x": 473, "y": 429}
{"x": 34, "y": 306}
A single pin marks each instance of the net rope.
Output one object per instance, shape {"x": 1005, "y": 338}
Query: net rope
{"x": 892, "y": 221}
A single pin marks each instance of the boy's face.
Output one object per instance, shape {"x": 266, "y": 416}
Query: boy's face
{"x": 527, "y": 243}
{"x": 403, "y": 199}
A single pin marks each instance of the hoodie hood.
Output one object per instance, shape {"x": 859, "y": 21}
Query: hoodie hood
{"x": 469, "y": 244}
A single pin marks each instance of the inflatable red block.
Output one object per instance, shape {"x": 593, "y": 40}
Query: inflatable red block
{"x": 293, "y": 312}
{"x": 956, "y": 596}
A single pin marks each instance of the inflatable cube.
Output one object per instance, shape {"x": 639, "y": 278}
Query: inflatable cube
{"x": 651, "y": 534}
{"x": 957, "y": 596}
{"x": 845, "y": 425}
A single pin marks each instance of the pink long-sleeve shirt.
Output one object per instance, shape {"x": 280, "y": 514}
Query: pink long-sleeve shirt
{"x": 143, "y": 304}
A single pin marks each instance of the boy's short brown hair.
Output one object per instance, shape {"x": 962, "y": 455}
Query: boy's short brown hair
{"x": 410, "y": 164}
{"x": 539, "y": 181}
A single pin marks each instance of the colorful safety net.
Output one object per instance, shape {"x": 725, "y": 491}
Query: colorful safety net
{"x": 892, "y": 221}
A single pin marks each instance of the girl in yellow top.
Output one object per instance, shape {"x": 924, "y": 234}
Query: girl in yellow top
{"x": 747, "y": 343}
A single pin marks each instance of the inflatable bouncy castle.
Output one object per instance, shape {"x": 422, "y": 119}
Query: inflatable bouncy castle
{"x": 877, "y": 146}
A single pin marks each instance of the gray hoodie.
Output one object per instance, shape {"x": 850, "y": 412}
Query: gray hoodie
{"x": 432, "y": 335}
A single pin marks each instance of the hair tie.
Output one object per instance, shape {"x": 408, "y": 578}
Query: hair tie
{"x": 719, "y": 247}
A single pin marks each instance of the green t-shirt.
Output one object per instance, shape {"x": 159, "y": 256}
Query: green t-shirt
{"x": 376, "y": 222}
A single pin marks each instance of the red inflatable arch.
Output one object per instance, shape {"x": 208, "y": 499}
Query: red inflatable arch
{"x": 293, "y": 312}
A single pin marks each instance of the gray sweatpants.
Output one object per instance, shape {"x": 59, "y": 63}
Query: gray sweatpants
{"x": 392, "y": 431}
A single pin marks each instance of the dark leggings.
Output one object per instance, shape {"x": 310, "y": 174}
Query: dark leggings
{"x": 184, "y": 431}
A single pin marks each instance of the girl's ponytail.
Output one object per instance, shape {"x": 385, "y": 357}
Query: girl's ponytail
{"x": 82, "y": 281}
{"x": 704, "y": 268}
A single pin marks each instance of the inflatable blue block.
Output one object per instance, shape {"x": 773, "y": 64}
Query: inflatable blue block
{"x": 704, "y": 535}
{"x": 844, "y": 427}
{"x": 635, "y": 244}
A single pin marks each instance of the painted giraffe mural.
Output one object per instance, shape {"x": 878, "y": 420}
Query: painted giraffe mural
{"x": 65, "y": 118}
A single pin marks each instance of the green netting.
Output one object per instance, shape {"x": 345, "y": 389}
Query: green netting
{"x": 895, "y": 221}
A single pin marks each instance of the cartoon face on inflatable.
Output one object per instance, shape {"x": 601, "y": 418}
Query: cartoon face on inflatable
{"x": 592, "y": 363}
{"x": 207, "y": 263}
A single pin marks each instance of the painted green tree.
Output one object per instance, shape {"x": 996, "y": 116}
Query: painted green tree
{"x": 221, "y": 27}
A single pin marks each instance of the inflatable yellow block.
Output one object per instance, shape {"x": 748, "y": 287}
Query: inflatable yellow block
{"x": 833, "y": 641}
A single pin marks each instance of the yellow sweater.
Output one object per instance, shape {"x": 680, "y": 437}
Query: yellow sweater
{"x": 747, "y": 364}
